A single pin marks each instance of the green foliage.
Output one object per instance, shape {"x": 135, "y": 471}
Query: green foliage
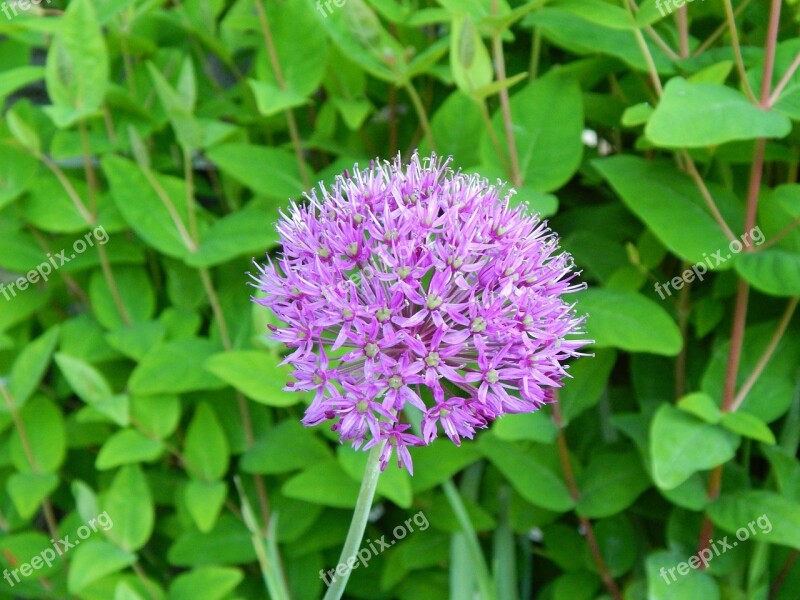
{"x": 141, "y": 401}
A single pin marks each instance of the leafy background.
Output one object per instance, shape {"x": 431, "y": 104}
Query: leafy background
{"x": 138, "y": 380}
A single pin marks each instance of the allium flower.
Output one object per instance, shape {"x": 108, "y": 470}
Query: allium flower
{"x": 402, "y": 279}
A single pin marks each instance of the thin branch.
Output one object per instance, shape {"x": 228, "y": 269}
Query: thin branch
{"x": 572, "y": 485}
{"x": 19, "y": 425}
{"x": 683, "y": 326}
{"x": 276, "y": 68}
{"x": 648, "y": 57}
{"x": 691, "y": 168}
{"x": 784, "y": 573}
{"x": 720, "y": 30}
{"x": 419, "y": 107}
{"x": 784, "y": 81}
{"x": 105, "y": 264}
{"x": 505, "y": 103}
{"x": 737, "y": 51}
{"x": 766, "y": 355}
{"x": 780, "y": 235}
{"x": 682, "y": 18}
{"x": 769, "y": 52}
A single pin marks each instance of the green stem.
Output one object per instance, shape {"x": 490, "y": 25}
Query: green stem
{"x": 419, "y": 107}
{"x": 482, "y": 571}
{"x": 456, "y": 503}
{"x": 273, "y": 575}
{"x": 359, "y": 522}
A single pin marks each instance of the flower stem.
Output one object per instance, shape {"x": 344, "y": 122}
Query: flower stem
{"x": 470, "y": 537}
{"x": 359, "y": 522}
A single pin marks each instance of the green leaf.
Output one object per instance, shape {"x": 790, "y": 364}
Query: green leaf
{"x": 144, "y": 210}
{"x": 708, "y": 114}
{"x": 584, "y": 37}
{"x": 526, "y": 470}
{"x": 45, "y": 438}
{"x": 638, "y": 114}
{"x": 187, "y": 130}
{"x": 775, "y": 389}
{"x": 360, "y": 36}
{"x": 353, "y": 111}
{"x": 272, "y": 100}
{"x": 629, "y": 321}
{"x": 456, "y": 126}
{"x": 286, "y": 447}
{"x": 788, "y": 103}
{"x": 12, "y": 80}
{"x": 137, "y": 339}
{"x": 204, "y": 500}
{"x": 93, "y": 561}
{"x": 301, "y": 47}
{"x": 548, "y": 135}
{"x": 617, "y": 542}
{"x": 216, "y": 583}
{"x": 437, "y": 463}
{"x": 206, "y": 449}
{"x": 701, "y": 405}
{"x": 85, "y": 500}
{"x": 394, "y": 484}
{"x": 77, "y": 69}
{"x": 175, "y": 367}
{"x": 257, "y": 375}
{"x": 469, "y": 59}
{"x": 611, "y": 483}
{"x": 129, "y": 505}
{"x": 242, "y": 233}
{"x": 773, "y": 271}
{"x": 29, "y": 368}
{"x": 576, "y": 585}
{"x": 597, "y": 11}
{"x": 24, "y": 133}
{"x": 716, "y": 73}
{"x": 28, "y": 490}
{"x": 676, "y": 585}
{"x": 669, "y": 203}
{"x": 324, "y": 483}
{"x": 765, "y": 516}
{"x": 87, "y": 382}
{"x": 229, "y": 543}
{"x": 271, "y": 172}
{"x": 681, "y": 444}
{"x": 749, "y": 426}
{"x": 787, "y": 470}
{"x": 536, "y": 426}
{"x": 587, "y": 380}
{"x": 157, "y": 416}
{"x": 128, "y": 447}
{"x": 115, "y": 408}
{"x": 18, "y": 171}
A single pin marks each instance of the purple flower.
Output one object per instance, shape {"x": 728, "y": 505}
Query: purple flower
{"x": 401, "y": 279}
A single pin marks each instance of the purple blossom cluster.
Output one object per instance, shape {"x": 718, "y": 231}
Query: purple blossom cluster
{"x": 417, "y": 285}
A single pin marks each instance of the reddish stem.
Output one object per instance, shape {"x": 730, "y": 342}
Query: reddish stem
{"x": 572, "y": 485}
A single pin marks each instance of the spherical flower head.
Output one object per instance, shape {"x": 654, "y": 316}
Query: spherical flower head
{"x": 417, "y": 286}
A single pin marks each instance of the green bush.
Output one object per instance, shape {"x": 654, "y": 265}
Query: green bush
{"x": 147, "y": 448}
